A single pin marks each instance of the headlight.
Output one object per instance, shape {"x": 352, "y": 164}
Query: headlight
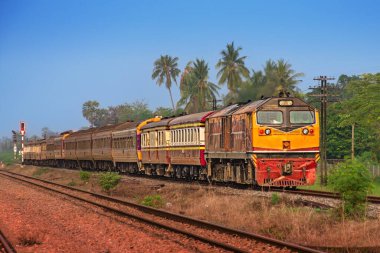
{"x": 305, "y": 131}
{"x": 267, "y": 131}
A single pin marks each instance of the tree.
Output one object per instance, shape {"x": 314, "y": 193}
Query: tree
{"x": 196, "y": 90}
{"x": 280, "y": 77}
{"x": 251, "y": 88}
{"x": 364, "y": 105}
{"x": 46, "y": 132}
{"x": 136, "y": 111}
{"x": 89, "y": 111}
{"x": 232, "y": 70}
{"x": 163, "y": 111}
{"x": 166, "y": 71}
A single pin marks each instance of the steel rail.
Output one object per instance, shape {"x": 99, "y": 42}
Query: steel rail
{"x": 171, "y": 216}
{"x": 324, "y": 194}
{"x": 4, "y": 242}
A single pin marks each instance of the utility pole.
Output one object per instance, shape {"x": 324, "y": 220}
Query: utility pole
{"x": 323, "y": 126}
{"x": 214, "y": 103}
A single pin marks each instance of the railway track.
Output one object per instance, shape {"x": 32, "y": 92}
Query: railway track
{"x": 323, "y": 194}
{"x": 218, "y": 236}
{"x": 5, "y": 245}
{"x": 314, "y": 193}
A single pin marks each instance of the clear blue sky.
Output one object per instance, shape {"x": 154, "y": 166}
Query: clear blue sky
{"x": 55, "y": 55}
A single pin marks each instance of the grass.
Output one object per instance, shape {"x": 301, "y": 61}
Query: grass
{"x": 40, "y": 171}
{"x": 155, "y": 201}
{"x": 7, "y": 157}
{"x": 71, "y": 183}
{"x": 376, "y": 189}
{"x": 285, "y": 220}
{"x": 84, "y": 175}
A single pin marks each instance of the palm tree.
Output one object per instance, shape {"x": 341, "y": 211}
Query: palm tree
{"x": 280, "y": 77}
{"x": 286, "y": 77}
{"x": 165, "y": 71}
{"x": 196, "y": 90}
{"x": 232, "y": 68}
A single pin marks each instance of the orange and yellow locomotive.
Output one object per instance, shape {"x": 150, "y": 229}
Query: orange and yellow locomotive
{"x": 270, "y": 142}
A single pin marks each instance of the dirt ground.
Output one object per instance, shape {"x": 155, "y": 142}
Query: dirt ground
{"x": 266, "y": 213}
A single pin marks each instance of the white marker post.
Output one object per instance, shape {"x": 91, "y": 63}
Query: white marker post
{"x": 22, "y": 131}
{"x": 14, "y": 137}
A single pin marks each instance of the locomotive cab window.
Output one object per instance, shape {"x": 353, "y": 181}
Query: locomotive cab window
{"x": 302, "y": 117}
{"x": 269, "y": 117}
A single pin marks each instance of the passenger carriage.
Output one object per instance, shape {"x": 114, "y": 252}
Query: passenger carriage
{"x": 102, "y": 147}
{"x": 50, "y": 157}
{"x": 124, "y": 147}
{"x": 187, "y": 145}
{"x": 155, "y": 143}
{"x": 83, "y": 152}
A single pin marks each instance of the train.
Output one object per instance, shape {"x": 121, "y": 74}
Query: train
{"x": 271, "y": 142}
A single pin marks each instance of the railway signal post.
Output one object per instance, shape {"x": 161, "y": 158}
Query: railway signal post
{"x": 22, "y": 131}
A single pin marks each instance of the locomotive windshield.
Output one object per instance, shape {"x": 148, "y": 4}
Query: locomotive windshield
{"x": 302, "y": 117}
{"x": 269, "y": 117}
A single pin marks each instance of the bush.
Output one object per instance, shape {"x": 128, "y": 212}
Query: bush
{"x": 275, "y": 199}
{"x": 84, "y": 175}
{"x": 109, "y": 180}
{"x": 353, "y": 181}
{"x": 72, "y": 183}
{"x": 153, "y": 201}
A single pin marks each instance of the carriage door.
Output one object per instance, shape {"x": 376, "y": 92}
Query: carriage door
{"x": 222, "y": 133}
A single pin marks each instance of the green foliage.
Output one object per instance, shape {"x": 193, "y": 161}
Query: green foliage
{"x": 166, "y": 71}
{"x": 7, "y": 157}
{"x": 196, "y": 90}
{"x": 153, "y": 201}
{"x": 135, "y": 111}
{"x": 277, "y": 76}
{"x": 72, "y": 183}
{"x": 353, "y": 181}
{"x": 84, "y": 175}
{"x": 90, "y": 111}
{"x": 232, "y": 70}
{"x": 376, "y": 186}
{"x": 109, "y": 180}
{"x": 40, "y": 171}
{"x": 164, "y": 112}
{"x": 275, "y": 199}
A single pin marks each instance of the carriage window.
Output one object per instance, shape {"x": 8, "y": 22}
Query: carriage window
{"x": 269, "y": 117}
{"x": 302, "y": 117}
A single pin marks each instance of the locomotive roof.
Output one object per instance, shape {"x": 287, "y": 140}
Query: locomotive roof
{"x": 225, "y": 111}
{"x": 250, "y": 107}
{"x": 270, "y": 103}
{"x": 191, "y": 118}
{"x": 161, "y": 123}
